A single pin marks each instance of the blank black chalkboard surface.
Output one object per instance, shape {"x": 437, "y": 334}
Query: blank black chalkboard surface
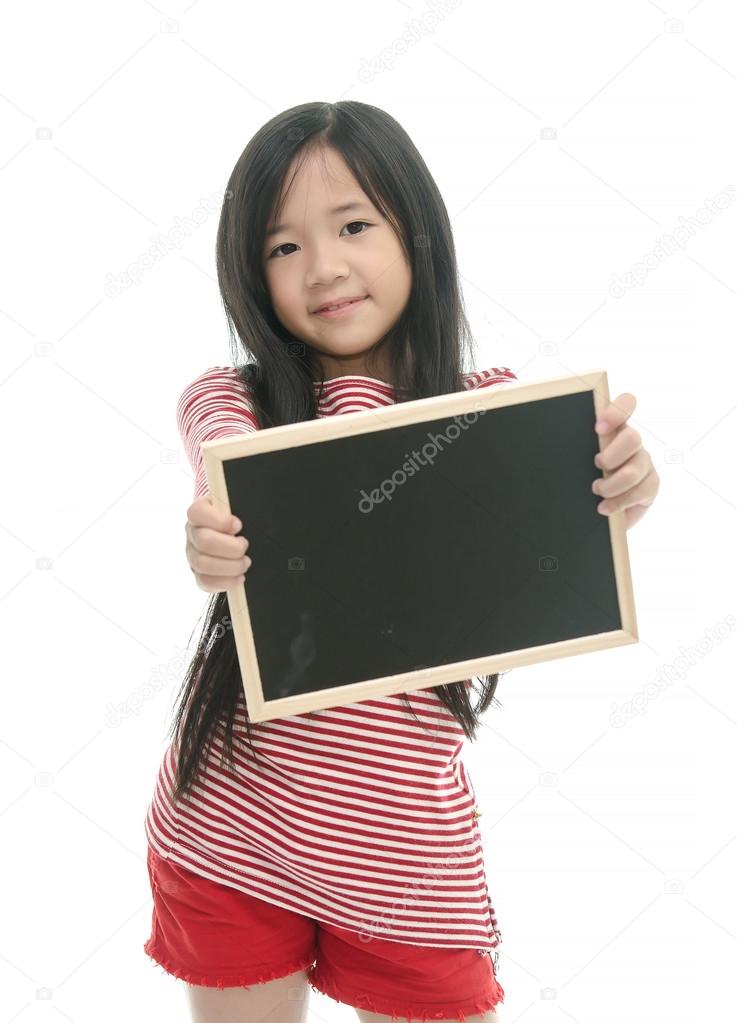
{"x": 422, "y": 543}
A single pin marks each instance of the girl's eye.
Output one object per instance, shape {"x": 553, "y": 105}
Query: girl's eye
{"x": 349, "y": 224}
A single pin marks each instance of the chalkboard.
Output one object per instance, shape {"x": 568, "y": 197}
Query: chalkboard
{"x": 421, "y": 543}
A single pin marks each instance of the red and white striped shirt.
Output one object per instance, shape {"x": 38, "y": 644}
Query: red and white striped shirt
{"x": 353, "y": 815}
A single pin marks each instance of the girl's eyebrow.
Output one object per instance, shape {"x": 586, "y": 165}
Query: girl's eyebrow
{"x": 355, "y": 204}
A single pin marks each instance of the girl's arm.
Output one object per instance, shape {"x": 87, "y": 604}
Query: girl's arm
{"x": 214, "y": 405}
{"x": 487, "y": 377}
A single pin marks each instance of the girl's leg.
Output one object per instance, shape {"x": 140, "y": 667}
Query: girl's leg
{"x": 375, "y": 1017}
{"x": 278, "y": 1001}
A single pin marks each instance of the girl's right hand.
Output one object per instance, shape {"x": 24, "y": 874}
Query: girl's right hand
{"x": 216, "y": 556}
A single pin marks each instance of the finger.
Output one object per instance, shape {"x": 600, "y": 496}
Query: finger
{"x": 205, "y": 511}
{"x": 218, "y": 584}
{"x": 626, "y": 476}
{"x": 226, "y": 568}
{"x": 644, "y": 493}
{"x": 616, "y": 413}
{"x": 619, "y": 449}
{"x": 216, "y": 544}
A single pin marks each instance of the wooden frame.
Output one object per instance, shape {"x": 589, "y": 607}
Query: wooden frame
{"x": 219, "y": 453}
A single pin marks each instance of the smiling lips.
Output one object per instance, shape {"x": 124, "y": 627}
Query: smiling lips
{"x": 339, "y": 308}
{"x": 332, "y": 306}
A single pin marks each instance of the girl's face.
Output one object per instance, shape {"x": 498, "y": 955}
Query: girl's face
{"x": 320, "y": 256}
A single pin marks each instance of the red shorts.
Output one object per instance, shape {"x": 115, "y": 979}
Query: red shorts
{"x": 209, "y": 934}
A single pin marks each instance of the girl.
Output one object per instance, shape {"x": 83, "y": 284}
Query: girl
{"x": 338, "y": 849}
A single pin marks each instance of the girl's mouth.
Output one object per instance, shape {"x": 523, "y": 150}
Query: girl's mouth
{"x": 343, "y": 310}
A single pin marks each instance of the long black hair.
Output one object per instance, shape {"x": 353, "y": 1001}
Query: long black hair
{"x": 426, "y": 348}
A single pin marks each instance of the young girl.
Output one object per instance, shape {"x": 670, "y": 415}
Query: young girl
{"x": 338, "y": 848}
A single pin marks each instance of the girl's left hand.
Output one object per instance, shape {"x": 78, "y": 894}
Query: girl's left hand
{"x": 633, "y": 482}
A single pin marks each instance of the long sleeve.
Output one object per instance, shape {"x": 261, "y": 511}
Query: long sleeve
{"x": 214, "y": 405}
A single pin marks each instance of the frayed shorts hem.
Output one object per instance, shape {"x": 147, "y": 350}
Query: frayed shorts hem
{"x": 435, "y": 1011}
{"x": 244, "y": 979}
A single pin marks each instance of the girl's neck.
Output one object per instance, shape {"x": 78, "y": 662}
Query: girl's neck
{"x": 335, "y": 368}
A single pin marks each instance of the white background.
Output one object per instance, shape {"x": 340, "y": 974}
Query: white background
{"x": 567, "y": 139}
